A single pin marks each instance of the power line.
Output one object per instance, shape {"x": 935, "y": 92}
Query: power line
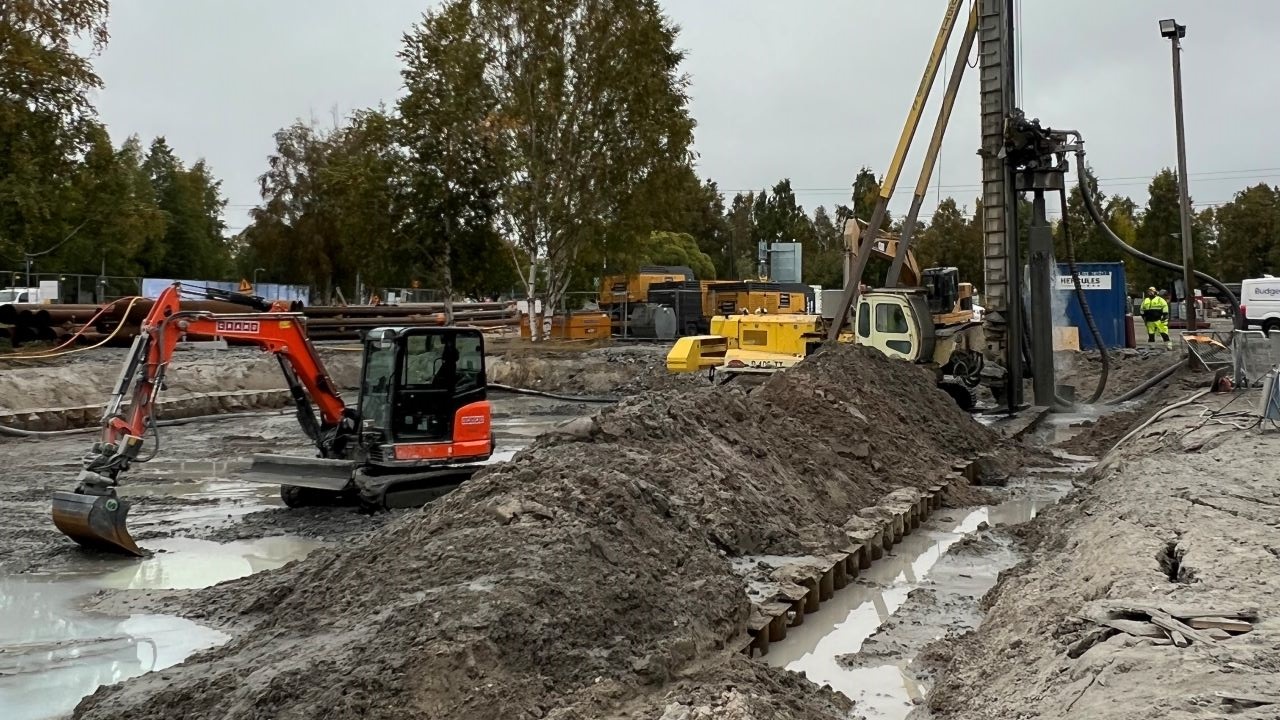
{"x": 1242, "y": 174}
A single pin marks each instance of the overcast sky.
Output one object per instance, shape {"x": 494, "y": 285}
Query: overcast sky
{"x": 779, "y": 88}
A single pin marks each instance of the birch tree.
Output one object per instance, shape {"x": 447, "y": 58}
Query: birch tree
{"x": 586, "y": 100}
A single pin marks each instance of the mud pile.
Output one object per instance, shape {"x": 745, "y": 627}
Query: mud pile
{"x": 587, "y": 578}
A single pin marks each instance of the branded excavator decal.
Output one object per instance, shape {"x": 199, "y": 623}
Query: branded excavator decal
{"x": 250, "y": 327}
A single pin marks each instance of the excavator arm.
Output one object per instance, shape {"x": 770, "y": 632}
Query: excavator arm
{"x": 93, "y": 515}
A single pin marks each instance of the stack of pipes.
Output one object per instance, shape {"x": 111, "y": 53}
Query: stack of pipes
{"x": 22, "y": 324}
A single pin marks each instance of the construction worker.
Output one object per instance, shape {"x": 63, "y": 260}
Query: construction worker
{"x": 1155, "y": 313}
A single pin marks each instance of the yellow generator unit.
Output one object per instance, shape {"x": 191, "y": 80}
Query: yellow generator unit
{"x": 617, "y": 290}
{"x": 748, "y": 343}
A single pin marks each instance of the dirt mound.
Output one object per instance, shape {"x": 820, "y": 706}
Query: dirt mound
{"x": 587, "y": 578}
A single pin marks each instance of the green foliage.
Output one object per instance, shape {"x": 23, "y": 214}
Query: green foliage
{"x": 68, "y": 198}
{"x": 1248, "y": 234}
{"x": 824, "y": 261}
{"x": 1159, "y": 233}
{"x": 1090, "y": 242}
{"x": 866, "y": 193}
{"x": 669, "y": 248}
{"x": 46, "y": 119}
{"x": 190, "y": 199}
{"x": 587, "y": 103}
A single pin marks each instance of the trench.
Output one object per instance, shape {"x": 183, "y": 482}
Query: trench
{"x": 53, "y": 651}
{"x": 865, "y": 641}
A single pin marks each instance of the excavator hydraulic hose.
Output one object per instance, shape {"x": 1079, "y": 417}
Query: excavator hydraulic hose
{"x": 1084, "y": 304}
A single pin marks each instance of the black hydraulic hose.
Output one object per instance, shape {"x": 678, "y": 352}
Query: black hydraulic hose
{"x": 1148, "y": 384}
{"x": 1084, "y": 304}
{"x": 1150, "y": 259}
{"x": 554, "y": 396}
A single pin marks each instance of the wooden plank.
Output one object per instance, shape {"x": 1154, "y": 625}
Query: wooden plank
{"x": 1220, "y": 623}
{"x": 1136, "y": 628}
{"x": 1177, "y": 626}
{"x": 1244, "y": 700}
{"x": 1179, "y": 640}
{"x": 1246, "y": 612}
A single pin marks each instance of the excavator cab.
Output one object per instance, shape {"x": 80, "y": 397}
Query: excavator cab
{"x": 422, "y": 397}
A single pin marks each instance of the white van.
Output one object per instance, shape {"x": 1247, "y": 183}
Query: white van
{"x": 1260, "y": 303}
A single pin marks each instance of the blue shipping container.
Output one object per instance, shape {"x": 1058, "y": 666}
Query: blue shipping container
{"x": 1105, "y": 290}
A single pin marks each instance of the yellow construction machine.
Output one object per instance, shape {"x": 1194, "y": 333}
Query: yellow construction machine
{"x": 898, "y": 322}
{"x": 950, "y": 301}
{"x": 931, "y": 323}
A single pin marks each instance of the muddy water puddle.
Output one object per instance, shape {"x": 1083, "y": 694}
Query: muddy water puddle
{"x": 862, "y": 642}
{"x": 52, "y": 653}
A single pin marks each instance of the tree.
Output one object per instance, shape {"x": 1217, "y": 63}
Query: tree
{"x": 825, "y": 265}
{"x": 447, "y": 117}
{"x": 1248, "y": 230}
{"x": 1160, "y": 231}
{"x": 332, "y": 208}
{"x": 1089, "y": 241}
{"x": 953, "y": 239}
{"x": 588, "y": 102}
{"x": 46, "y": 118}
{"x": 866, "y": 193}
{"x": 678, "y": 249}
{"x": 191, "y": 201}
{"x": 115, "y": 203}
{"x": 740, "y": 260}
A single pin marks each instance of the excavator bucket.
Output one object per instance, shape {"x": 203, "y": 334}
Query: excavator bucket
{"x": 95, "y": 521}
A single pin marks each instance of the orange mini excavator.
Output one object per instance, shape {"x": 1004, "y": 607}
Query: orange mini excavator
{"x": 421, "y": 426}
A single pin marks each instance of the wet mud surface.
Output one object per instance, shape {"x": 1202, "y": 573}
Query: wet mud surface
{"x": 1178, "y": 520}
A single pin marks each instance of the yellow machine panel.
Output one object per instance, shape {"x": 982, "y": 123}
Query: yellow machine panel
{"x": 634, "y": 289}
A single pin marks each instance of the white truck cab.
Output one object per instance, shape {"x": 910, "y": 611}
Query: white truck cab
{"x": 19, "y": 295}
{"x": 1260, "y": 303}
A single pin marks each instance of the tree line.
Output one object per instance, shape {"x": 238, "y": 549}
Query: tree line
{"x": 70, "y": 200}
{"x": 536, "y": 146}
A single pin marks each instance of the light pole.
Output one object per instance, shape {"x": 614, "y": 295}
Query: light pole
{"x": 1174, "y": 32}
{"x": 255, "y": 278}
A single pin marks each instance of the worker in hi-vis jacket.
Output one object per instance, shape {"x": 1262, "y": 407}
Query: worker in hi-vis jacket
{"x": 1155, "y": 313}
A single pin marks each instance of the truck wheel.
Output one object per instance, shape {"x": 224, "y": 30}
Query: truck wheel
{"x": 1270, "y": 326}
